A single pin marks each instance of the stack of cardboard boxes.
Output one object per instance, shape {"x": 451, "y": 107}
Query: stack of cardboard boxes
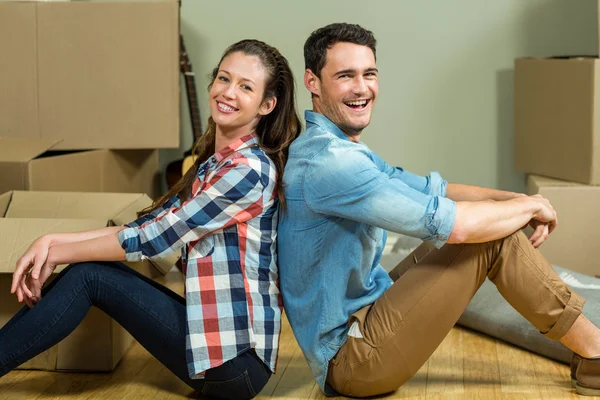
{"x": 89, "y": 93}
{"x": 557, "y": 142}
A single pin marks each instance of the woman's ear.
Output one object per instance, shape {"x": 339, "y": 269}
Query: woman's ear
{"x": 312, "y": 82}
{"x": 267, "y": 106}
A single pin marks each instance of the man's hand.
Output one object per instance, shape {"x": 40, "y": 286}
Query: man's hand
{"x": 540, "y": 232}
{"x": 544, "y": 221}
{"x": 24, "y": 284}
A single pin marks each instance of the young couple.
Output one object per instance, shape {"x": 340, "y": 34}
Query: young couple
{"x": 266, "y": 210}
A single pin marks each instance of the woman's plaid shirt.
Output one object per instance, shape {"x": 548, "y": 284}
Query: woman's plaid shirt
{"x": 227, "y": 235}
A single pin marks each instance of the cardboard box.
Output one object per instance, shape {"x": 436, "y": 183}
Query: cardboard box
{"x": 95, "y": 75}
{"x": 25, "y": 165}
{"x": 99, "y": 342}
{"x": 557, "y": 118}
{"x": 574, "y": 243}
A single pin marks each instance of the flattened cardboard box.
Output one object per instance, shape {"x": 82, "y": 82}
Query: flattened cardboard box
{"x": 99, "y": 342}
{"x": 557, "y": 118}
{"x": 95, "y": 74}
{"x": 117, "y": 171}
{"x": 574, "y": 243}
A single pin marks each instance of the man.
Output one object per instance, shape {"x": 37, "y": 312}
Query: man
{"x": 362, "y": 331}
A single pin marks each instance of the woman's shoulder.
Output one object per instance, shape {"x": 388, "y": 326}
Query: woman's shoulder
{"x": 255, "y": 158}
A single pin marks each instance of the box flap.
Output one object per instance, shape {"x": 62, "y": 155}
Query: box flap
{"x": 23, "y": 149}
{"x": 4, "y": 202}
{"x": 100, "y": 206}
{"x": 83, "y": 172}
{"x": 16, "y": 234}
{"x": 13, "y": 176}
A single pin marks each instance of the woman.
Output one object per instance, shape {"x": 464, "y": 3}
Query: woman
{"x": 222, "y": 339}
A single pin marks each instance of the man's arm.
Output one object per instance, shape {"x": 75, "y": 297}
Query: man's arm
{"x": 483, "y": 221}
{"x": 353, "y": 187}
{"x": 460, "y": 192}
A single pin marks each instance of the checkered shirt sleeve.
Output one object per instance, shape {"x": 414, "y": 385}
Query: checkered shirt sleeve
{"x": 233, "y": 194}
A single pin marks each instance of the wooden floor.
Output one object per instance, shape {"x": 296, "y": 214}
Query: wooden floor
{"x": 467, "y": 365}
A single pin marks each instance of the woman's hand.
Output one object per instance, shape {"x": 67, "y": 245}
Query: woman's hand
{"x": 34, "y": 286}
{"x": 24, "y": 284}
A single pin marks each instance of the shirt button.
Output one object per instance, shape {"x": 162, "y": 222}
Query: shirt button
{"x": 213, "y": 159}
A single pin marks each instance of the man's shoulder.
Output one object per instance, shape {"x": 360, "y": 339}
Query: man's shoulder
{"x": 317, "y": 141}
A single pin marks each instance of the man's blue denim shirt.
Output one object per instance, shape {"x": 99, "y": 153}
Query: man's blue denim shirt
{"x": 341, "y": 198}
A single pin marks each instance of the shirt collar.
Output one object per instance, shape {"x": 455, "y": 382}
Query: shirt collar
{"x": 312, "y": 117}
{"x": 244, "y": 142}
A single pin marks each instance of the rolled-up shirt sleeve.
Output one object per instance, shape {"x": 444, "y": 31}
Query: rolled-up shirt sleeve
{"x": 353, "y": 186}
{"x": 233, "y": 195}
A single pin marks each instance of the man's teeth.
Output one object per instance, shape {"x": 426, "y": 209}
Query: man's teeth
{"x": 357, "y": 103}
{"x": 225, "y": 107}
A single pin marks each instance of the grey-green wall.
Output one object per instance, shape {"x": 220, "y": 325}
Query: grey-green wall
{"x": 446, "y": 69}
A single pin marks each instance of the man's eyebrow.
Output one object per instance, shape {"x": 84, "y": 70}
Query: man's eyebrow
{"x": 345, "y": 71}
{"x": 353, "y": 71}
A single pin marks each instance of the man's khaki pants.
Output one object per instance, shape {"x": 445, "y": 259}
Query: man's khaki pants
{"x": 432, "y": 288}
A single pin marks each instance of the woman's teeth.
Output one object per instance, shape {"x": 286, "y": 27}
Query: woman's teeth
{"x": 225, "y": 107}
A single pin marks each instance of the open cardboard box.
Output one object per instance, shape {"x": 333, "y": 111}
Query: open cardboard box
{"x": 99, "y": 342}
{"x": 26, "y": 164}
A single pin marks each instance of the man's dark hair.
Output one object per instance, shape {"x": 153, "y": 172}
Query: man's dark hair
{"x": 315, "y": 48}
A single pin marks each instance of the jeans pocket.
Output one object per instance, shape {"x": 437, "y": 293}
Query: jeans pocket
{"x": 236, "y": 388}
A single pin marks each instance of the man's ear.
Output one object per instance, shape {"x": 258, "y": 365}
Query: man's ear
{"x": 267, "y": 106}
{"x": 312, "y": 82}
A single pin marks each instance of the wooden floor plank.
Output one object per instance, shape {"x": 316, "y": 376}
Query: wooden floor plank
{"x": 9, "y": 380}
{"x": 416, "y": 387}
{"x": 445, "y": 374}
{"x": 516, "y": 371}
{"x": 481, "y": 373}
{"x": 29, "y": 387}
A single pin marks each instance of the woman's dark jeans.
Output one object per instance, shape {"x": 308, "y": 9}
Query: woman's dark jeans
{"x": 154, "y": 315}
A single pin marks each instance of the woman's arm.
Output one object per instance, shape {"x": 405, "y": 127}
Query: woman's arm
{"x": 55, "y": 239}
{"x": 40, "y": 260}
{"x": 100, "y": 248}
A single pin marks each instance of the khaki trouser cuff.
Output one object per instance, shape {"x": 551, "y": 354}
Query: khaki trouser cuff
{"x": 567, "y": 318}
